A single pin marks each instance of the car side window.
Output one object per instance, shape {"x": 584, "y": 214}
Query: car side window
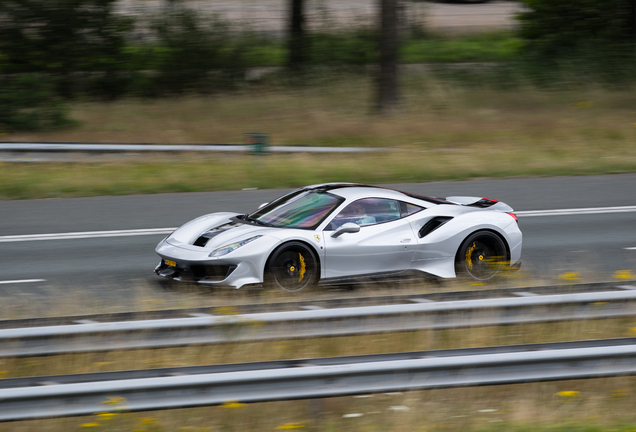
{"x": 407, "y": 209}
{"x": 384, "y": 210}
{"x": 367, "y": 211}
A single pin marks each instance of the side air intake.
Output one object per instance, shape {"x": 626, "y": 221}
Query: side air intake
{"x": 432, "y": 225}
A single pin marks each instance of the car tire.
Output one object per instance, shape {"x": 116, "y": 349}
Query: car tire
{"x": 292, "y": 267}
{"x": 481, "y": 256}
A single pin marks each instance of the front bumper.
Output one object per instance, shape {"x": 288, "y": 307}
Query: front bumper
{"x": 195, "y": 272}
{"x": 244, "y": 266}
{"x": 218, "y": 274}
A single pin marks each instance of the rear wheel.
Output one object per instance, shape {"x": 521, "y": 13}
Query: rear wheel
{"x": 481, "y": 256}
{"x": 292, "y": 267}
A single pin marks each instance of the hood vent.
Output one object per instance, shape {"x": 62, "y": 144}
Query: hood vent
{"x": 206, "y": 236}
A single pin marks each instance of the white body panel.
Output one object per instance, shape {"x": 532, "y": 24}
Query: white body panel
{"x": 387, "y": 247}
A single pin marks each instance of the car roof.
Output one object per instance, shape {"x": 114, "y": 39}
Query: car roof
{"x": 352, "y": 191}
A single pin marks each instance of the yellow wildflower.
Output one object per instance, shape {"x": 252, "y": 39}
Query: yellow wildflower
{"x": 226, "y": 310}
{"x": 619, "y": 394}
{"x": 232, "y": 404}
{"x": 291, "y": 426}
{"x": 570, "y": 277}
{"x": 568, "y": 394}
{"x": 117, "y": 400}
{"x": 147, "y": 420}
{"x": 623, "y": 274}
{"x": 106, "y": 415}
{"x": 90, "y": 424}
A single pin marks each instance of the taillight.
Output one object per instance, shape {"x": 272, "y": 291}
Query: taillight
{"x": 514, "y": 216}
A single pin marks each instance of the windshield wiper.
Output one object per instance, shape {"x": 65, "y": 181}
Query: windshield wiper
{"x": 256, "y": 221}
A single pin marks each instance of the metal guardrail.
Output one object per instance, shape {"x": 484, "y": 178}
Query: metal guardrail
{"x": 210, "y": 329}
{"x": 333, "y": 303}
{"x": 317, "y": 378}
{"x": 80, "y": 147}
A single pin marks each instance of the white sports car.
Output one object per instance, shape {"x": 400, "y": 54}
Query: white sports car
{"x": 339, "y": 233}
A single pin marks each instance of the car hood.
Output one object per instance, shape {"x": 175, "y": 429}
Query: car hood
{"x": 212, "y": 231}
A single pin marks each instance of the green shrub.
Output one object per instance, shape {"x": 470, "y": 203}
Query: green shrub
{"x": 356, "y": 48}
{"x": 28, "y": 103}
{"x": 193, "y": 52}
{"x": 561, "y": 29}
{"x": 62, "y": 38}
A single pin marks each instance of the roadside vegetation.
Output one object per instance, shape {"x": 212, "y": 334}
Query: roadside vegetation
{"x": 593, "y": 405}
{"x": 549, "y": 406}
{"x": 474, "y": 105}
{"x": 445, "y": 131}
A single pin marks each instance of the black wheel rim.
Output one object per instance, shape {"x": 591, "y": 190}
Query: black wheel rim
{"x": 483, "y": 259}
{"x": 293, "y": 269}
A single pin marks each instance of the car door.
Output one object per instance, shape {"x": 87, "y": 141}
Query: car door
{"x": 386, "y": 245}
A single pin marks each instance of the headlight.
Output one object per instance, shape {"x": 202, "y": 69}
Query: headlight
{"x": 224, "y": 250}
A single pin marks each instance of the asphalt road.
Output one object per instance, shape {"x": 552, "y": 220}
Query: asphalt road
{"x": 592, "y": 244}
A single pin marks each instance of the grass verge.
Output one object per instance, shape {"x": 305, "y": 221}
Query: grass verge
{"x": 538, "y": 406}
{"x": 521, "y": 407}
{"x": 445, "y": 131}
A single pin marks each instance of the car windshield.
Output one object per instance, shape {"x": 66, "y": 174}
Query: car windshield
{"x": 299, "y": 209}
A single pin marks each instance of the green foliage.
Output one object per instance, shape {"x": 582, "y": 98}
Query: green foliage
{"x": 481, "y": 47}
{"x": 193, "y": 52}
{"x": 561, "y": 29}
{"x": 566, "y": 42}
{"x": 354, "y": 48}
{"x": 28, "y": 103}
{"x": 62, "y": 38}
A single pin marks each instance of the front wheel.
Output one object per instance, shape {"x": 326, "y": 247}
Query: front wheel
{"x": 481, "y": 256}
{"x": 292, "y": 267}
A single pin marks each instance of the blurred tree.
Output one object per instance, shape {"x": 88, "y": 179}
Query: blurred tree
{"x": 28, "y": 103}
{"x": 62, "y": 38}
{"x": 298, "y": 41}
{"x": 196, "y": 52}
{"x": 387, "y": 82}
{"x": 632, "y": 12}
{"x": 556, "y": 29}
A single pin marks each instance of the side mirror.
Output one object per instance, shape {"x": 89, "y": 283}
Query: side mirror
{"x": 262, "y": 205}
{"x": 349, "y": 227}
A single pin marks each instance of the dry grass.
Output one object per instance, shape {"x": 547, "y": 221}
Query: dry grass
{"x": 601, "y": 404}
{"x": 606, "y": 403}
{"x": 444, "y": 132}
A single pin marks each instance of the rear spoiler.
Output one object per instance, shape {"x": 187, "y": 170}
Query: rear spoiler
{"x": 478, "y": 202}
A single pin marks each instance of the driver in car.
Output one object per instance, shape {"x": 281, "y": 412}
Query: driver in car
{"x": 356, "y": 213}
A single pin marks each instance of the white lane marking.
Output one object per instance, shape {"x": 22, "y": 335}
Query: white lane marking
{"x": 634, "y": 248}
{"x": 576, "y": 211}
{"x": 22, "y": 281}
{"x": 156, "y": 231}
{"x": 84, "y": 235}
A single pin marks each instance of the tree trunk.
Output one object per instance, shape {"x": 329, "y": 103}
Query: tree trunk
{"x": 387, "y": 80}
{"x": 297, "y": 56}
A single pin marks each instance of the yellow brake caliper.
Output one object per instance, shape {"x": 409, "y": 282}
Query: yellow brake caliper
{"x": 302, "y": 267}
{"x": 469, "y": 252}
